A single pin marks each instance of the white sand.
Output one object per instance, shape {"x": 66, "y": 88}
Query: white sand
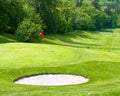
{"x": 52, "y": 80}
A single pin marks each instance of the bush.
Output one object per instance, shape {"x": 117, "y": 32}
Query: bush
{"x": 28, "y": 29}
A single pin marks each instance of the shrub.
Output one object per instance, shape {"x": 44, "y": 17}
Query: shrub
{"x": 28, "y": 29}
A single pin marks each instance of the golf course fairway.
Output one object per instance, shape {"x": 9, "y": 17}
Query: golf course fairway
{"x": 94, "y": 55}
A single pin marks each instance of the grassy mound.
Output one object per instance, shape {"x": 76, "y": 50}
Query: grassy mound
{"x": 95, "y": 55}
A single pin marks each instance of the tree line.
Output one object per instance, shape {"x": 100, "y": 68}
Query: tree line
{"x": 26, "y": 18}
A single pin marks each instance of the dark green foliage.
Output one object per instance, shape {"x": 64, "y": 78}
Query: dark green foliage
{"x": 4, "y": 19}
{"x": 47, "y": 9}
{"x": 83, "y": 21}
{"x": 100, "y": 19}
{"x": 56, "y": 14}
{"x": 11, "y": 14}
{"x": 118, "y": 21}
{"x": 79, "y": 3}
{"x": 29, "y": 28}
{"x": 96, "y": 4}
{"x": 59, "y": 16}
{"x": 66, "y": 16}
{"x": 31, "y": 25}
{"x": 19, "y": 17}
{"x": 103, "y": 13}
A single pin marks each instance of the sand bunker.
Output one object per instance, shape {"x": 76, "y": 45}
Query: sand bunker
{"x": 52, "y": 80}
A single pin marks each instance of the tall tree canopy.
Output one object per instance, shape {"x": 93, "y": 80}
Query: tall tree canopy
{"x": 26, "y": 18}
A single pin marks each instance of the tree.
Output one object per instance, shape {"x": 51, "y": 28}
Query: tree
{"x": 112, "y": 10}
{"x": 96, "y": 4}
{"x": 31, "y": 24}
{"x": 79, "y": 3}
{"x": 118, "y": 20}
{"x": 11, "y": 15}
{"x": 59, "y": 16}
{"x": 83, "y": 21}
{"x": 47, "y": 9}
{"x": 4, "y": 19}
{"x": 66, "y": 14}
{"x": 100, "y": 19}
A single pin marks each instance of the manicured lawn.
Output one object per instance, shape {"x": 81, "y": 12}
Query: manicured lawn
{"x": 95, "y": 55}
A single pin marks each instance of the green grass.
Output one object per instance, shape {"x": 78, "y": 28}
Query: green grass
{"x": 95, "y": 55}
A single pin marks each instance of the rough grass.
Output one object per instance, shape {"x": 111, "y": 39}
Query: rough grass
{"x": 95, "y": 55}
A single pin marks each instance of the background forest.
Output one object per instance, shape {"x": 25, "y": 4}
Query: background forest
{"x": 26, "y": 18}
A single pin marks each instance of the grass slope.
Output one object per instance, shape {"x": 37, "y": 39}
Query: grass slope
{"x": 95, "y": 55}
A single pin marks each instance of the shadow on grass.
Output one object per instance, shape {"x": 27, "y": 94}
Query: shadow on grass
{"x": 70, "y": 43}
{"x": 106, "y": 30}
{"x": 67, "y": 40}
{"x": 2, "y": 41}
{"x": 88, "y": 46}
{"x": 7, "y": 38}
{"x": 81, "y": 45}
{"x": 5, "y": 41}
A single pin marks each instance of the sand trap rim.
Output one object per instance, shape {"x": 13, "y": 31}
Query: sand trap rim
{"x": 51, "y": 79}
{"x": 21, "y": 77}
